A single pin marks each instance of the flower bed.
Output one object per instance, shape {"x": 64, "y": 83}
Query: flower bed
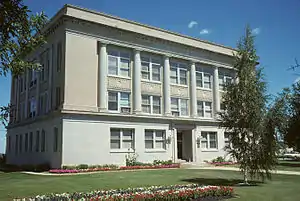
{"x": 63, "y": 171}
{"x": 176, "y": 192}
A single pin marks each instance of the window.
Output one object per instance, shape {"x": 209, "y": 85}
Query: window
{"x": 45, "y": 66}
{"x": 21, "y": 110}
{"x": 17, "y": 144}
{"x": 57, "y": 97}
{"x": 30, "y": 141}
{"x": 59, "y": 57}
{"x": 8, "y": 143}
{"x": 203, "y": 80}
{"x": 227, "y": 138}
{"x": 121, "y": 138}
{"x": 32, "y": 75}
{"x": 222, "y": 107}
{"x": 119, "y": 101}
{"x": 32, "y": 107}
{"x": 204, "y": 109}
{"x": 178, "y": 73}
{"x": 151, "y": 104}
{"x": 37, "y": 141}
{"x": 224, "y": 79}
{"x": 151, "y": 68}
{"x": 209, "y": 140}
{"x": 118, "y": 63}
{"x": 155, "y": 139}
{"x": 43, "y": 103}
{"x": 55, "y": 140}
{"x": 26, "y": 142}
{"x": 43, "y": 148}
{"x": 179, "y": 107}
{"x": 21, "y": 144}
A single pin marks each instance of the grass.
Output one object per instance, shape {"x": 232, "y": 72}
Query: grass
{"x": 282, "y": 187}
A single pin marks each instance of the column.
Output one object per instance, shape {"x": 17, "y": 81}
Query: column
{"x": 193, "y": 90}
{"x": 37, "y": 96}
{"x": 26, "y": 93}
{"x": 102, "y": 74}
{"x": 166, "y": 90}
{"x": 137, "y": 96}
{"x": 18, "y": 98}
{"x": 50, "y": 78}
{"x": 216, "y": 93}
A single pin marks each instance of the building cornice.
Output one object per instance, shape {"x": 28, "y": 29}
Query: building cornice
{"x": 132, "y": 26}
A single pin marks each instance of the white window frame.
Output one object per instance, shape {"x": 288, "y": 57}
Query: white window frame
{"x": 204, "y": 109}
{"x": 179, "y": 107}
{"x": 32, "y": 110}
{"x": 202, "y": 74}
{"x": 119, "y": 108}
{"x": 121, "y": 149}
{"x": 224, "y": 77}
{"x": 207, "y": 140}
{"x": 119, "y": 57}
{"x": 33, "y": 76}
{"x": 178, "y": 67}
{"x": 154, "y": 140}
{"x": 151, "y": 105}
{"x": 43, "y": 110}
{"x": 151, "y": 62}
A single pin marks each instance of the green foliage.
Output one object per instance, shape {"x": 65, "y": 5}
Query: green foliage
{"x": 219, "y": 159}
{"x": 245, "y": 113}
{"x": 162, "y": 162}
{"x": 131, "y": 159}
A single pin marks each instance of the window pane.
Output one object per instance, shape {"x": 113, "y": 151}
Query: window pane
{"x": 204, "y": 144}
{"x": 127, "y": 134}
{"x": 145, "y": 59}
{"x": 124, "y": 100}
{"x": 146, "y": 108}
{"x": 145, "y": 75}
{"x": 125, "y": 55}
{"x": 115, "y": 134}
{"x": 146, "y": 100}
{"x": 159, "y": 135}
{"x": 127, "y": 144}
{"x": 115, "y": 144}
{"x": 124, "y": 63}
{"x": 173, "y": 72}
{"x": 199, "y": 79}
{"x": 148, "y": 134}
{"x": 112, "y": 61}
{"x": 184, "y": 107}
{"x": 112, "y": 96}
{"x": 149, "y": 144}
{"x": 174, "y": 104}
{"x": 113, "y": 53}
{"x": 112, "y": 70}
{"x": 145, "y": 66}
{"x": 156, "y": 100}
{"x": 159, "y": 145}
{"x": 213, "y": 140}
{"x": 156, "y": 110}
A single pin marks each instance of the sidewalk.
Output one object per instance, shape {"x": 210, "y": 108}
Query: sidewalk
{"x": 237, "y": 169}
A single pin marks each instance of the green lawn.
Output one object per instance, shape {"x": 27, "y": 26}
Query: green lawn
{"x": 282, "y": 187}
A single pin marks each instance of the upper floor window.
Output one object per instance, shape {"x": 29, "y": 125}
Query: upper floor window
{"x": 43, "y": 143}
{"x": 45, "y": 66}
{"x": 179, "y": 107}
{"x": 59, "y": 57}
{"x": 37, "y": 141}
{"x": 224, "y": 79}
{"x": 32, "y": 107}
{"x": 30, "y": 141}
{"x": 57, "y": 97}
{"x": 121, "y": 138}
{"x": 155, "y": 139}
{"x": 43, "y": 101}
{"x": 119, "y": 101}
{"x": 227, "y": 136}
{"x": 203, "y": 80}
{"x": 8, "y": 143}
{"x": 55, "y": 139}
{"x": 151, "y": 104}
{"x": 118, "y": 63}
{"x": 178, "y": 73}
{"x": 32, "y": 77}
{"x": 204, "y": 109}
{"x": 151, "y": 68}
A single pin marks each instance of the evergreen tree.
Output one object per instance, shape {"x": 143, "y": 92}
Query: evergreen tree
{"x": 245, "y": 114}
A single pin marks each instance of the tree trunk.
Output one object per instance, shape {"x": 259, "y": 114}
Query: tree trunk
{"x": 245, "y": 177}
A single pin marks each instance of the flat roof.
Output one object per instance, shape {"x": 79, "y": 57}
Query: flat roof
{"x": 132, "y": 26}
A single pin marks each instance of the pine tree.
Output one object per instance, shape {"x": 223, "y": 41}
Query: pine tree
{"x": 245, "y": 114}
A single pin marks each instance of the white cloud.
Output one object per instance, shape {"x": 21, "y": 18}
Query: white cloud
{"x": 256, "y": 31}
{"x": 192, "y": 24}
{"x": 296, "y": 80}
{"x": 205, "y": 31}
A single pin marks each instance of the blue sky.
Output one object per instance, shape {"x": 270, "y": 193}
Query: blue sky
{"x": 275, "y": 23}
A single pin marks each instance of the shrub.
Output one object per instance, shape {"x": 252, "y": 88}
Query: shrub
{"x": 219, "y": 159}
{"x": 162, "y": 162}
{"x": 131, "y": 159}
{"x": 82, "y": 166}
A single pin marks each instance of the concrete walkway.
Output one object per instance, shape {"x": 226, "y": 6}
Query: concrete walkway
{"x": 237, "y": 169}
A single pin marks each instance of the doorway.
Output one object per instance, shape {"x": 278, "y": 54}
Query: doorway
{"x": 179, "y": 145}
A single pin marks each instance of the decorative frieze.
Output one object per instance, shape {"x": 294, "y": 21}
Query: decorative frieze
{"x": 151, "y": 88}
{"x": 204, "y": 95}
{"x": 179, "y": 91}
{"x": 117, "y": 83}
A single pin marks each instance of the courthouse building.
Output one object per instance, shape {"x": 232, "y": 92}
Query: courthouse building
{"x": 110, "y": 86}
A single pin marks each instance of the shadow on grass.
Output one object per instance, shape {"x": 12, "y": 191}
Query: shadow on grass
{"x": 221, "y": 182}
{"x": 288, "y": 164}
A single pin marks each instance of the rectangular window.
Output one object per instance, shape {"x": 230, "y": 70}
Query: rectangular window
{"x": 30, "y": 141}
{"x": 37, "y": 141}
{"x": 43, "y": 101}
{"x": 155, "y": 139}
{"x": 179, "y": 107}
{"x": 57, "y": 97}
{"x": 178, "y": 73}
{"x": 26, "y": 142}
{"x": 21, "y": 144}
{"x": 119, "y": 101}
{"x": 227, "y": 138}
{"x": 32, "y": 107}
{"x": 8, "y": 143}
{"x": 119, "y": 63}
{"x": 55, "y": 140}
{"x": 59, "y": 57}
{"x": 150, "y": 69}
{"x": 43, "y": 147}
{"x": 121, "y": 138}
{"x": 33, "y": 76}
{"x": 204, "y": 109}
{"x": 17, "y": 144}
{"x": 151, "y": 104}
{"x": 203, "y": 80}
{"x": 209, "y": 140}
{"x": 224, "y": 79}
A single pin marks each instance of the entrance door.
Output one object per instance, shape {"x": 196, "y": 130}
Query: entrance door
{"x": 179, "y": 145}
